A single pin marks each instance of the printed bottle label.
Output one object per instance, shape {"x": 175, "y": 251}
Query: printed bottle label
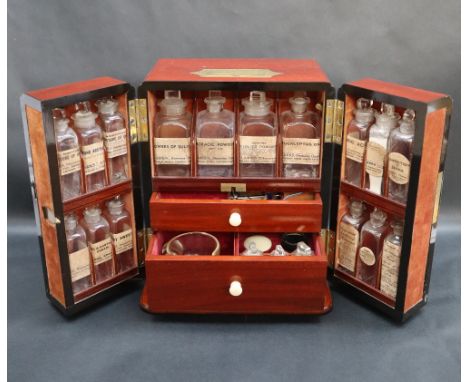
{"x": 355, "y": 148}
{"x": 116, "y": 143}
{"x": 215, "y": 151}
{"x": 101, "y": 251}
{"x": 69, "y": 161}
{"x": 375, "y": 159}
{"x": 398, "y": 168}
{"x": 79, "y": 264}
{"x": 172, "y": 151}
{"x": 301, "y": 151}
{"x": 390, "y": 268}
{"x": 348, "y": 245}
{"x": 123, "y": 241}
{"x": 93, "y": 157}
{"x": 367, "y": 256}
{"x": 257, "y": 149}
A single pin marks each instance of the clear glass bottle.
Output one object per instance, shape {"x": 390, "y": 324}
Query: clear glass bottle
{"x": 172, "y": 136}
{"x": 400, "y": 145}
{"x": 391, "y": 254}
{"x": 370, "y": 248}
{"x": 115, "y": 140}
{"x": 215, "y": 138}
{"x": 68, "y": 152}
{"x": 302, "y": 250}
{"x": 78, "y": 254}
{"x": 301, "y": 131}
{"x": 100, "y": 243}
{"x": 348, "y": 239}
{"x": 257, "y": 137}
{"x": 122, "y": 235}
{"x": 377, "y": 147}
{"x": 92, "y": 147}
{"x": 252, "y": 250}
{"x": 356, "y": 139}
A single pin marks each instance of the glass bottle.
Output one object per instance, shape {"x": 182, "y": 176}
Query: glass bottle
{"x": 348, "y": 239}
{"x": 122, "y": 235}
{"x": 92, "y": 147}
{"x": 78, "y": 254}
{"x": 377, "y": 147}
{"x": 356, "y": 139}
{"x": 215, "y": 138}
{"x": 300, "y": 130}
{"x": 257, "y": 137}
{"x": 172, "y": 136}
{"x": 399, "y": 147}
{"x": 100, "y": 243}
{"x": 252, "y": 250}
{"x": 278, "y": 251}
{"x": 68, "y": 152}
{"x": 115, "y": 140}
{"x": 391, "y": 254}
{"x": 370, "y": 248}
{"x": 302, "y": 250}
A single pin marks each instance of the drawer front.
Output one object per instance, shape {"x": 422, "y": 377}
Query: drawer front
{"x": 236, "y": 215}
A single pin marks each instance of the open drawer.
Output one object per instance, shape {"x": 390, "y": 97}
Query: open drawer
{"x": 231, "y": 283}
{"x": 215, "y": 212}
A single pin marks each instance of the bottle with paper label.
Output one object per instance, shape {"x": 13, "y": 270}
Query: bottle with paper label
{"x": 257, "y": 137}
{"x": 215, "y": 138}
{"x": 391, "y": 255}
{"x": 348, "y": 239}
{"x": 300, "y": 131}
{"x": 370, "y": 248}
{"x": 78, "y": 254}
{"x": 356, "y": 140}
{"x": 100, "y": 243}
{"x": 115, "y": 140}
{"x": 92, "y": 147}
{"x": 68, "y": 153}
{"x": 376, "y": 150}
{"x": 172, "y": 154}
{"x": 122, "y": 235}
{"x": 400, "y": 145}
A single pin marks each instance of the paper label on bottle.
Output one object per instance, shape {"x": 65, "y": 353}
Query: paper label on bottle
{"x": 348, "y": 245}
{"x": 301, "y": 151}
{"x": 375, "y": 157}
{"x": 69, "y": 161}
{"x": 367, "y": 256}
{"x": 116, "y": 143}
{"x": 101, "y": 251}
{"x": 79, "y": 264}
{"x": 215, "y": 151}
{"x": 172, "y": 151}
{"x": 257, "y": 149}
{"x": 390, "y": 267}
{"x": 355, "y": 148}
{"x": 93, "y": 157}
{"x": 398, "y": 168}
{"x": 123, "y": 241}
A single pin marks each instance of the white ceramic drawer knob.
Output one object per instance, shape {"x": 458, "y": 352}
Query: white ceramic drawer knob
{"x": 235, "y": 289}
{"x": 235, "y": 219}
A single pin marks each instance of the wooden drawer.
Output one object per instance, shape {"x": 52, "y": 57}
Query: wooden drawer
{"x": 202, "y": 284}
{"x": 213, "y": 212}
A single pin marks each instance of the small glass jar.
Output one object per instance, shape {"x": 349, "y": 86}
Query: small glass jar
{"x": 391, "y": 256}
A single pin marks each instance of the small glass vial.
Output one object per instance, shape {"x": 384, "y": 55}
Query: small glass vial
{"x": 78, "y": 254}
{"x": 400, "y": 145}
{"x": 68, "y": 152}
{"x": 252, "y": 250}
{"x": 257, "y": 137}
{"x": 100, "y": 243}
{"x": 172, "y": 136}
{"x": 302, "y": 250}
{"x": 348, "y": 239}
{"x": 278, "y": 251}
{"x": 122, "y": 235}
{"x": 377, "y": 147}
{"x": 300, "y": 130}
{"x": 215, "y": 138}
{"x": 370, "y": 248}
{"x": 115, "y": 140}
{"x": 92, "y": 147}
{"x": 391, "y": 254}
{"x": 356, "y": 139}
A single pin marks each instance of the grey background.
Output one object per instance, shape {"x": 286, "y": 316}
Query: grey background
{"x": 50, "y": 42}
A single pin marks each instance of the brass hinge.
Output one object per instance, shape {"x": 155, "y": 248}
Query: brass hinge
{"x": 334, "y": 121}
{"x": 143, "y": 238}
{"x": 328, "y": 237}
{"x": 138, "y": 120}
